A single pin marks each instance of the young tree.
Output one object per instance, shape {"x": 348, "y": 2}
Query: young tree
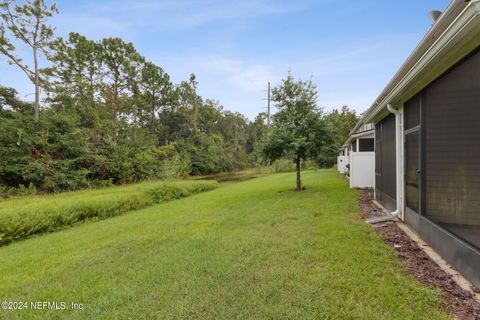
{"x": 26, "y": 24}
{"x": 297, "y": 131}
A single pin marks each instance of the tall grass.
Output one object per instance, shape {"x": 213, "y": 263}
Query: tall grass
{"x": 25, "y": 216}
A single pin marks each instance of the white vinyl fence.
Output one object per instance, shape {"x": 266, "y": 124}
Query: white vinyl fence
{"x": 362, "y": 169}
{"x": 342, "y": 162}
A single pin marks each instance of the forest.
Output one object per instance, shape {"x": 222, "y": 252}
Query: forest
{"x": 103, "y": 114}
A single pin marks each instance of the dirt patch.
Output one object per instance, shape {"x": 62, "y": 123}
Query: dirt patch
{"x": 457, "y": 302}
{"x": 368, "y": 208}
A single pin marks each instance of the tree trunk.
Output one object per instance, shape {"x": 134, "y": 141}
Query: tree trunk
{"x": 195, "y": 117}
{"x": 299, "y": 181}
{"x": 91, "y": 89}
{"x": 37, "y": 86}
{"x": 115, "y": 100}
{"x": 135, "y": 116}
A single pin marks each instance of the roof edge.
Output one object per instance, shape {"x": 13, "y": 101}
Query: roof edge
{"x": 451, "y": 14}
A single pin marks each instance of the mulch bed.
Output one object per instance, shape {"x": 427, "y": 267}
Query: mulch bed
{"x": 457, "y": 302}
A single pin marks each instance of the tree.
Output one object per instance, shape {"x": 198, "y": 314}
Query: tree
{"x": 76, "y": 71}
{"x": 133, "y": 74}
{"x": 190, "y": 99}
{"x": 339, "y": 123}
{"x": 157, "y": 93}
{"x": 117, "y": 56}
{"x": 9, "y": 101}
{"x": 26, "y": 24}
{"x": 256, "y": 132}
{"x": 297, "y": 130}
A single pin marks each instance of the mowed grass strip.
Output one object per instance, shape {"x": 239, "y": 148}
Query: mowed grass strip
{"x": 25, "y": 216}
{"x": 251, "y": 250}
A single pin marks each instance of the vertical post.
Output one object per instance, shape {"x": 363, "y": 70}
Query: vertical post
{"x": 268, "y": 105}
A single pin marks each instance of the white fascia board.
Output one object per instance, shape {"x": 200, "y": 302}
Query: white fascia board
{"x": 369, "y": 133}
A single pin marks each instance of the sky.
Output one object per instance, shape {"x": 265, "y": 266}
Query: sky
{"x": 350, "y": 49}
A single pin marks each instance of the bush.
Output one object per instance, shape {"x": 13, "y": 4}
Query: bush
{"x": 283, "y": 165}
{"x": 167, "y": 192}
{"x": 8, "y": 192}
{"x": 176, "y": 167}
{"x": 309, "y": 165}
{"x": 23, "y": 217}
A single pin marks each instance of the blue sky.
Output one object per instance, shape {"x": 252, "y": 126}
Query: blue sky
{"x": 350, "y": 48}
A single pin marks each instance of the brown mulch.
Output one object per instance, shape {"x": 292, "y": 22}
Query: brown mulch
{"x": 368, "y": 209}
{"x": 457, "y": 302}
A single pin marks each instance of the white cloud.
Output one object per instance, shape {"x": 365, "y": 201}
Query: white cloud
{"x": 92, "y": 26}
{"x": 192, "y": 13}
{"x": 351, "y": 78}
{"x": 245, "y": 76}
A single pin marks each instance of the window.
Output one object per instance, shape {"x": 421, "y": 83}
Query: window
{"x": 366, "y": 145}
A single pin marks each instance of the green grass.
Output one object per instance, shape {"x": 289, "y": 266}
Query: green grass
{"x": 25, "y": 216}
{"x": 250, "y": 250}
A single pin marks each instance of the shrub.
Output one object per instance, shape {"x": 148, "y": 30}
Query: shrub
{"x": 167, "y": 192}
{"x": 309, "y": 165}
{"x": 283, "y": 165}
{"x": 9, "y": 192}
{"x": 176, "y": 167}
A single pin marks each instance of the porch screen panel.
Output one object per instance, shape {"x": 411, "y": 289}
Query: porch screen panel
{"x": 378, "y": 157}
{"x": 412, "y": 112}
{"x": 388, "y": 156}
{"x": 412, "y": 173}
{"x": 452, "y": 179}
{"x": 385, "y": 167}
{"x": 412, "y": 123}
{"x": 366, "y": 145}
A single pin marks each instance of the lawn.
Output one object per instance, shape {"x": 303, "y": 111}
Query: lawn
{"x": 247, "y": 250}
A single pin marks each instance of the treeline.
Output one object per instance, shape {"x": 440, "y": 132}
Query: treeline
{"x": 110, "y": 116}
{"x": 114, "y": 117}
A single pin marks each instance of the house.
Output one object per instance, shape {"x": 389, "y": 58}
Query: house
{"x": 357, "y": 157}
{"x": 427, "y": 131}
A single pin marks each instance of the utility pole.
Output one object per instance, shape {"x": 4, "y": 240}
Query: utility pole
{"x": 268, "y": 105}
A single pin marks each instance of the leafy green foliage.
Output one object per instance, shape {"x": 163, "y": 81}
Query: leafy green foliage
{"x": 298, "y": 131}
{"x": 339, "y": 123}
{"x": 23, "y": 217}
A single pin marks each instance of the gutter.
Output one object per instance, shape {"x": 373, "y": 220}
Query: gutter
{"x": 359, "y": 135}
{"x": 398, "y": 213}
{"x": 398, "y": 160}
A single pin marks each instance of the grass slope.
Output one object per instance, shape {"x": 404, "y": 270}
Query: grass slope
{"x": 26, "y": 216}
{"x": 246, "y": 250}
